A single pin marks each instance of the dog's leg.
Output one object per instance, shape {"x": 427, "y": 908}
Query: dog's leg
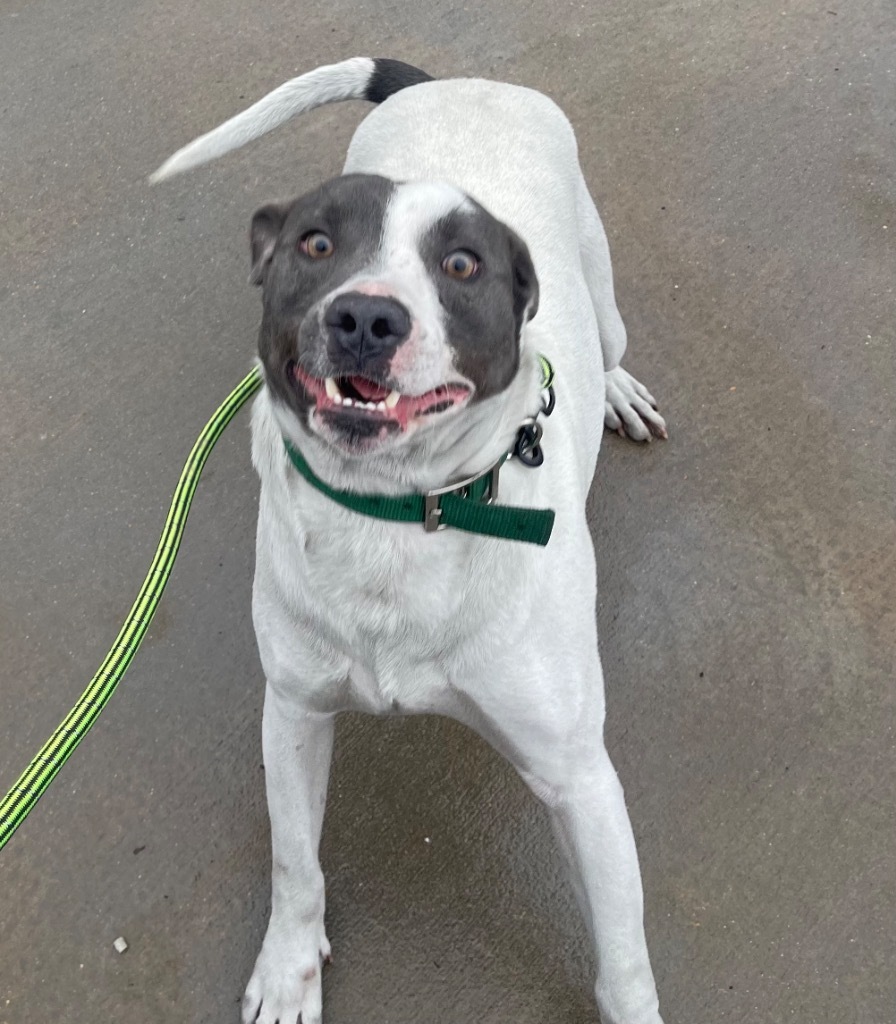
{"x": 286, "y": 981}
{"x": 629, "y": 407}
{"x": 550, "y": 728}
{"x": 591, "y": 823}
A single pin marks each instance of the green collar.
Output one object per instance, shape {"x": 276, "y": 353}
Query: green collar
{"x": 466, "y": 505}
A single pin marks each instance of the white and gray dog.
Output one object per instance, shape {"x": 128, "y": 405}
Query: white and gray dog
{"x": 405, "y": 308}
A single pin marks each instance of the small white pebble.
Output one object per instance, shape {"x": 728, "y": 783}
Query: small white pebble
{"x": 120, "y": 944}
{"x": 427, "y": 840}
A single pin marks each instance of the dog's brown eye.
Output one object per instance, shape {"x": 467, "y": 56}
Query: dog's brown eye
{"x": 317, "y": 245}
{"x": 461, "y": 265}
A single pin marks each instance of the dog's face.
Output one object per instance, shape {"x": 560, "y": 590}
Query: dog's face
{"x": 388, "y": 308}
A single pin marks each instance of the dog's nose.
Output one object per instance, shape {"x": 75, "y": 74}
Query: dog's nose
{"x": 366, "y": 326}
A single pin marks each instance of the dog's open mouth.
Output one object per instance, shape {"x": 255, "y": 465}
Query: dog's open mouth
{"x": 360, "y": 396}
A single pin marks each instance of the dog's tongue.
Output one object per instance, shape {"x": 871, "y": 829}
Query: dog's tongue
{"x": 369, "y": 391}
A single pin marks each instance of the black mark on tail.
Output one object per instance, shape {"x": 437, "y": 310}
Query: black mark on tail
{"x": 391, "y": 76}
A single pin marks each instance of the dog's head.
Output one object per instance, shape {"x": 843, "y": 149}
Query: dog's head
{"x": 388, "y": 309}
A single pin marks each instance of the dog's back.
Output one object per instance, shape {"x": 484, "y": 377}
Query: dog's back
{"x": 510, "y": 147}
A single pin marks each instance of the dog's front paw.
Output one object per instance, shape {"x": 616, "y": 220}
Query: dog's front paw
{"x": 285, "y": 986}
{"x": 630, "y": 409}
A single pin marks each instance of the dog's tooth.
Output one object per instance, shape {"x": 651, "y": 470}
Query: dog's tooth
{"x": 332, "y": 389}
{"x": 347, "y": 401}
{"x": 392, "y": 399}
{"x": 381, "y": 406}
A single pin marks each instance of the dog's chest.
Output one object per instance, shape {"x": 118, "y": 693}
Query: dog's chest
{"x": 405, "y": 609}
{"x": 379, "y": 588}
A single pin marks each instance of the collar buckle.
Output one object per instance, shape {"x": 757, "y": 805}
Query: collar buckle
{"x": 432, "y": 500}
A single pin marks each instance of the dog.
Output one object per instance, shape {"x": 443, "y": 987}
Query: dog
{"x": 407, "y": 306}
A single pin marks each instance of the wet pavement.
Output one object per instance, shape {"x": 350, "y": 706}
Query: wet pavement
{"x": 743, "y": 157}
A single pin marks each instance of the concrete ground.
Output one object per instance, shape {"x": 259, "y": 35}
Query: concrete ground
{"x": 743, "y": 158}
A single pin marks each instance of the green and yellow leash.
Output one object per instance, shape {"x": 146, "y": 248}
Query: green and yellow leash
{"x": 33, "y": 782}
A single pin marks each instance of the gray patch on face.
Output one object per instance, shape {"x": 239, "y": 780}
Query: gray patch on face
{"x": 484, "y": 314}
{"x": 350, "y": 210}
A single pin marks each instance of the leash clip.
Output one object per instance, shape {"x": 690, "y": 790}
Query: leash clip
{"x": 432, "y": 500}
{"x": 527, "y": 448}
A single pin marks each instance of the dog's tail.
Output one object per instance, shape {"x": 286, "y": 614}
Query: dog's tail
{"x": 361, "y": 78}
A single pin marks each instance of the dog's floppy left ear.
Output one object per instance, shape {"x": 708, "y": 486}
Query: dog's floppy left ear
{"x": 263, "y": 234}
{"x": 525, "y": 282}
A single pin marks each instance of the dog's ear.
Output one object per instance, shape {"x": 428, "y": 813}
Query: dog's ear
{"x": 525, "y": 282}
{"x": 263, "y": 234}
